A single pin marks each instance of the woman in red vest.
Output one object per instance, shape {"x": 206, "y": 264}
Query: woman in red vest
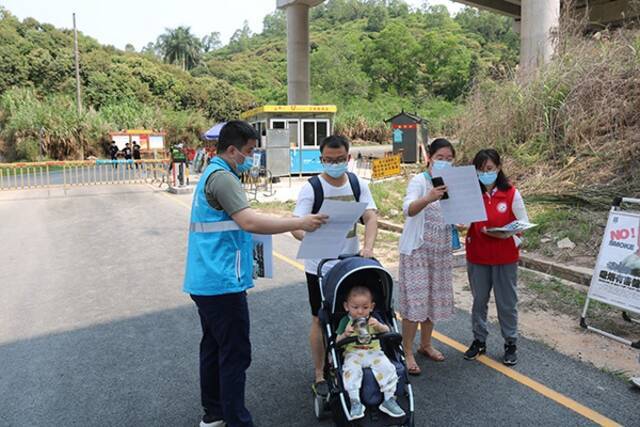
{"x": 492, "y": 257}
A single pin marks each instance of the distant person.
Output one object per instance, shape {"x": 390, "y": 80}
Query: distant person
{"x": 492, "y": 257}
{"x": 113, "y": 152}
{"x": 178, "y": 157}
{"x": 136, "y": 153}
{"x": 126, "y": 151}
{"x": 425, "y": 285}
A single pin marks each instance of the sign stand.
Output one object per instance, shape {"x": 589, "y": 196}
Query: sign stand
{"x": 614, "y": 282}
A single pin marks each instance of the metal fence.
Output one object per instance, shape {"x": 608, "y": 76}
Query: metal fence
{"x": 18, "y": 176}
{"x": 258, "y": 180}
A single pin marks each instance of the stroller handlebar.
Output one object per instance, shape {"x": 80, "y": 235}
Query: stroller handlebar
{"x": 339, "y": 258}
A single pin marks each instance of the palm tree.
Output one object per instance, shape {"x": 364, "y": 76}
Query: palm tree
{"x": 178, "y": 46}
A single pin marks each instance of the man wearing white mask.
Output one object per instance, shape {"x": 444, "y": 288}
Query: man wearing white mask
{"x": 333, "y": 183}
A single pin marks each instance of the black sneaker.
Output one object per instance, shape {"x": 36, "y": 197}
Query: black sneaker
{"x": 510, "y": 356}
{"x": 477, "y": 348}
{"x": 209, "y": 421}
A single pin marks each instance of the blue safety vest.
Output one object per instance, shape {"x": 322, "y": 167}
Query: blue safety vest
{"x": 219, "y": 254}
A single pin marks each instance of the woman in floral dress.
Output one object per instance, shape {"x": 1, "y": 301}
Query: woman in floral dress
{"x": 425, "y": 290}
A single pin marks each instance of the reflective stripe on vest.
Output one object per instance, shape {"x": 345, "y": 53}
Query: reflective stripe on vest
{"x": 213, "y": 227}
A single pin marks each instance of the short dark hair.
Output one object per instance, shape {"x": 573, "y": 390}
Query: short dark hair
{"x": 334, "y": 141}
{"x": 236, "y": 133}
{"x": 360, "y": 290}
{"x": 440, "y": 143}
{"x": 481, "y": 157}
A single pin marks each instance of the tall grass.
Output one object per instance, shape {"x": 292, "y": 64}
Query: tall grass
{"x": 570, "y": 131}
{"x": 33, "y": 127}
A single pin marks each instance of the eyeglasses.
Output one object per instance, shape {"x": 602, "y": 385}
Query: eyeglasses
{"x": 334, "y": 161}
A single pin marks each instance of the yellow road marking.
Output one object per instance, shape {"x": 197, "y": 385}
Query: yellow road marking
{"x": 547, "y": 392}
{"x": 532, "y": 384}
{"x": 288, "y": 260}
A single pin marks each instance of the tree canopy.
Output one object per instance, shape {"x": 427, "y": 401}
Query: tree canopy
{"x": 369, "y": 57}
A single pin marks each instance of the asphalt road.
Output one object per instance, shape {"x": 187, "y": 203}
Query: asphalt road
{"x": 95, "y": 331}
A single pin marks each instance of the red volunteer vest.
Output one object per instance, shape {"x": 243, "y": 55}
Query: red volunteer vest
{"x": 482, "y": 249}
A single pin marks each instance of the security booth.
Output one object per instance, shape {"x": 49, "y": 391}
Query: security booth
{"x": 151, "y": 142}
{"x": 409, "y": 135}
{"x": 294, "y": 133}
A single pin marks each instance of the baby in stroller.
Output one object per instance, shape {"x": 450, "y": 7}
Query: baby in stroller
{"x": 366, "y": 353}
{"x": 364, "y": 365}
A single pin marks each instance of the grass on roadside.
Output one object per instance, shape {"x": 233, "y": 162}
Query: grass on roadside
{"x": 555, "y": 222}
{"x": 275, "y": 207}
{"x": 554, "y": 296}
{"x": 388, "y": 196}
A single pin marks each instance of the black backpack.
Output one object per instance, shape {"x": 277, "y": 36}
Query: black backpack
{"x": 318, "y": 193}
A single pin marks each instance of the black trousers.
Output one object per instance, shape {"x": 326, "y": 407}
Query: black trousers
{"x": 225, "y": 355}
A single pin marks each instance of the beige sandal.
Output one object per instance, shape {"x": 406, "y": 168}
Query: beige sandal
{"x": 414, "y": 369}
{"x": 434, "y": 355}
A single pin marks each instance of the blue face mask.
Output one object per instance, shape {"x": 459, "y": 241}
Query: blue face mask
{"x": 488, "y": 178}
{"x": 246, "y": 165}
{"x": 335, "y": 170}
{"x": 441, "y": 164}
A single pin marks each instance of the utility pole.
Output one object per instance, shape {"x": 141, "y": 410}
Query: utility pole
{"x": 78, "y": 101}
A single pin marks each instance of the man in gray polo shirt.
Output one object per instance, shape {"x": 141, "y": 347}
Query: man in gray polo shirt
{"x": 219, "y": 271}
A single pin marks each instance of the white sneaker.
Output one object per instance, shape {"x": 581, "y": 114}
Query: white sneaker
{"x": 636, "y": 381}
{"x": 213, "y": 424}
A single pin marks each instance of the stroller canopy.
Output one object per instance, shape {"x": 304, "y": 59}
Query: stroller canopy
{"x": 355, "y": 271}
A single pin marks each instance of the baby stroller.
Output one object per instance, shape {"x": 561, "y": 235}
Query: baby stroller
{"x": 334, "y": 287}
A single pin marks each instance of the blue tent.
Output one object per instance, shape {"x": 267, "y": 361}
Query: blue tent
{"x": 213, "y": 133}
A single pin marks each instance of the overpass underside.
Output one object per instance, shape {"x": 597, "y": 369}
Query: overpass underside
{"x": 600, "y": 12}
{"x": 534, "y": 20}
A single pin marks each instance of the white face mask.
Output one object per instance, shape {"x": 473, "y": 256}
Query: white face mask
{"x": 441, "y": 164}
{"x": 246, "y": 164}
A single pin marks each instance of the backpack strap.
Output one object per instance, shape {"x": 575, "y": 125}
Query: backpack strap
{"x": 355, "y": 185}
{"x": 354, "y": 182}
{"x": 318, "y": 194}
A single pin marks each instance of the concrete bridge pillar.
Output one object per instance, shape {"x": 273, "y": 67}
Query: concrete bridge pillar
{"x": 298, "y": 92}
{"x": 539, "y": 19}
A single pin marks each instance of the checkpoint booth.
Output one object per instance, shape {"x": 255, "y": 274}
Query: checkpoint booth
{"x": 151, "y": 142}
{"x": 410, "y": 136}
{"x": 290, "y": 136}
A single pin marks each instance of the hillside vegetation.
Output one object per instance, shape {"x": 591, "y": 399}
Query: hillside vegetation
{"x": 371, "y": 58}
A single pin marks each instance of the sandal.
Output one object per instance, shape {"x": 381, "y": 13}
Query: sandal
{"x": 434, "y": 354}
{"x": 414, "y": 369}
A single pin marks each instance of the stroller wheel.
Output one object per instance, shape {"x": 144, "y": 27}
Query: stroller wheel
{"x": 320, "y": 407}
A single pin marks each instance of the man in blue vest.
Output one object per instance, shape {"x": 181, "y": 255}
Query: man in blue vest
{"x": 219, "y": 270}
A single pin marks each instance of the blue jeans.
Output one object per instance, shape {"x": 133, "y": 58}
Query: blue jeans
{"x": 225, "y": 355}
